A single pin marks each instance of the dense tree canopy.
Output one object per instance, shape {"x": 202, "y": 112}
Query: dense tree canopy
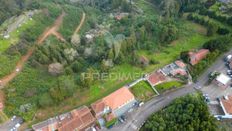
{"x": 189, "y": 113}
{"x": 9, "y": 8}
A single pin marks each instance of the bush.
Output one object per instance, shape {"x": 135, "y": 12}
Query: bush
{"x": 111, "y": 123}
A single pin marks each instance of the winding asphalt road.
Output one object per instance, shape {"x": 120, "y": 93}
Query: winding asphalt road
{"x": 137, "y": 118}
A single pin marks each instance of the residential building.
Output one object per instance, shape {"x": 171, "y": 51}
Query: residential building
{"x": 120, "y": 101}
{"x": 176, "y": 68}
{"x": 99, "y": 108}
{"x": 222, "y": 80}
{"x": 82, "y": 120}
{"x": 196, "y": 57}
{"x": 156, "y": 78}
{"x": 180, "y": 64}
{"x": 226, "y": 104}
{"x": 79, "y": 119}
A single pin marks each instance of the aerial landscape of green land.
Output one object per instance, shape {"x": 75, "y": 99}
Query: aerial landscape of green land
{"x": 65, "y": 39}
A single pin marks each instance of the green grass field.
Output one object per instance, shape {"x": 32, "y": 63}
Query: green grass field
{"x": 168, "y": 54}
{"x": 14, "y": 36}
{"x": 169, "y": 85}
{"x": 142, "y": 91}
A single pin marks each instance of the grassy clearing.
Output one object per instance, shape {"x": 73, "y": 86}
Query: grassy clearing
{"x": 14, "y": 36}
{"x": 147, "y": 7}
{"x": 142, "y": 91}
{"x": 7, "y": 64}
{"x": 169, "y": 85}
{"x": 168, "y": 54}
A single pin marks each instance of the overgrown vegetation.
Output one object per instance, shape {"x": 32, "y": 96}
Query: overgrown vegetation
{"x": 143, "y": 91}
{"x": 169, "y": 85}
{"x": 10, "y": 8}
{"x": 146, "y": 30}
{"x": 185, "y": 113}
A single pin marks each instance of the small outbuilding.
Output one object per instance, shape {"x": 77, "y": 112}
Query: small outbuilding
{"x": 222, "y": 80}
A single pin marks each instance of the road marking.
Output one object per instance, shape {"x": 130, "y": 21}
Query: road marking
{"x": 133, "y": 126}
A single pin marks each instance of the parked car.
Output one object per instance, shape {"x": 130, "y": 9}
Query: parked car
{"x": 17, "y": 125}
{"x": 229, "y": 57}
{"x": 121, "y": 119}
{"x": 13, "y": 118}
{"x": 141, "y": 103}
{"x": 229, "y": 71}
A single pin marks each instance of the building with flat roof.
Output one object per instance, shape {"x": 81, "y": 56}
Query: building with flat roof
{"x": 222, "y": 80}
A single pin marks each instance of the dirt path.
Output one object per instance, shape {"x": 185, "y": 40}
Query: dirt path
{"x": 81, "y": 23}
{"x": 19, "y": 66}
{"x": 53, "y": 30}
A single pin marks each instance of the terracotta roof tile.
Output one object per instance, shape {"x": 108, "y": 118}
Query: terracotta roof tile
{"x": 180, "y": 64}
{"x": 98, "y": 106}
{"x": 227, "y": 104}
{"x": 118, "y": 98}
{"x": 156, "y": 77}
{"x": 196, "y": 57}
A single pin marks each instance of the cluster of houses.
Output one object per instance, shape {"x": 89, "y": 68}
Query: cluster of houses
{"x": 114, "y": 105}
{"x": 91, "y": 118}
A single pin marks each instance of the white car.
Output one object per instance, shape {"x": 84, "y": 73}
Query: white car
{"x": 141, "y": 103}
{"x": 228, "y": 57}
{"x": 17, "y": 125}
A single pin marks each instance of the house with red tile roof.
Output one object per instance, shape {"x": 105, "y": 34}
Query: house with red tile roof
{"x": 176, "y": 68}
{"x": 82, "y": 119}
{"x": 179, "y": 71}
{"x": 180, "y": 64}
{"x": 120, "y": 101}
{"x": 196, "y": 57}
{"x": 226, "y": 104}
{"x": 99, "y": 108}
{"x": 78, "y": 119}
{"x": 156, "y": 78}
{"x": 117, "y": 103}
